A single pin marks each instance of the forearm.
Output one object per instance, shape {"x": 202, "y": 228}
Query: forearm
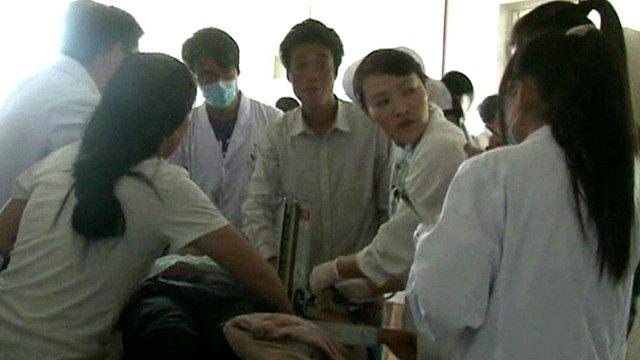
{"x": 265, "y": 284}
{"x": 236, "y": 255}
{"x": 9, "y": 223}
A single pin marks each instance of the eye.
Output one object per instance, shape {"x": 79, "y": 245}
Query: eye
{"x": 381, "y": 103}
{"x": 407, "y": 91}
{"x": 300, "y": 65}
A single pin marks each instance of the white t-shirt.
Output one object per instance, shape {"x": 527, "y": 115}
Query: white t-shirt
{"x": 62, "y": 294}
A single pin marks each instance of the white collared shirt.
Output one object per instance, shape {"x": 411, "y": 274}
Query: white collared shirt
{"x": 43, "y": 113}
{"x": 225, "y": 178}
{"x": 341, "y": 179}
{"x": 423, "y": 174}
{"x": 506, "y": 273}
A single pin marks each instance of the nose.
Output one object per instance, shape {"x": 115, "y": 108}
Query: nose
{"x": 400, "y": 107}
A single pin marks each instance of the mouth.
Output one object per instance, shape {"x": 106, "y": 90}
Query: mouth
{"x": 312, "y": 90}
{"x": 406, "y": 123}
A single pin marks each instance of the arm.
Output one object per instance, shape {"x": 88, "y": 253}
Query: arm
{"x": 228, "y": 248}
{"x": 263, "y": 199}
{"x": 9, "y": 223}
{"x": 391, "y": 252}
{"x": 389, "y": 256}
{"x": 456, "y": 262}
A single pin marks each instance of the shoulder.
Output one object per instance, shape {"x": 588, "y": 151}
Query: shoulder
{"x": 442, "y": 139}
{"x": 269, "y": 111}
{"x": 51, "y": 90}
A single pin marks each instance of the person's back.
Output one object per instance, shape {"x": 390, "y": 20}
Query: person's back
{"x": 76, "y": 287}
{"x": 50, "y": 109}
{"x": 83, "y": 226}
{"x": 534, "y": 252}
{"x": 548, "y": 296}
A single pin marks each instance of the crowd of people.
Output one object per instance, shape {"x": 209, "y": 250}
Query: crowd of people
{"x": 128, "y": 210}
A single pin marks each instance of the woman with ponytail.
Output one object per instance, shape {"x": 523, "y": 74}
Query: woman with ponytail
{"x": 85, "y": 225}
{"x": 534, "y": 253}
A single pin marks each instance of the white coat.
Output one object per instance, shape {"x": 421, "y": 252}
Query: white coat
{"x": 224, "y": 179}
{"x": 506, "y": 272}
{"x": 44, "y": 113}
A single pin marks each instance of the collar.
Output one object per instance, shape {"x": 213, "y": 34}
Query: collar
{"x": 74, "y": 69}
{"x": 542, "y": 133}
{"x": 343, "y": 121}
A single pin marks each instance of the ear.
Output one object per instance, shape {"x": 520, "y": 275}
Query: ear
{"x": 115, "y": 54}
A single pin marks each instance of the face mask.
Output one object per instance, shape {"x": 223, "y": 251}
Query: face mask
{"x": 220, "y": 94}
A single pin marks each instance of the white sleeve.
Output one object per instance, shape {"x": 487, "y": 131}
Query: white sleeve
{"x": 24, "y": 184}
{"x": 391, "y": 252}
{"x": 456, "y": 262}
{"x": 263, "y": 199}
{"x": 187, "y": 213}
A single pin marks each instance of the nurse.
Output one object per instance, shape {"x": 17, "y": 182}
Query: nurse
{"x": 84, "y": 225}
{"x": 391, "y": 87}
{"x": 218, "y": 150}
{"x": 534, "y": 253}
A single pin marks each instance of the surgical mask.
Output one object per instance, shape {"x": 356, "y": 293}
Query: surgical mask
{"x": 220, "y": 94}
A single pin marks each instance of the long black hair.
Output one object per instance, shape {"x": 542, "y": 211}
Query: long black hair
{"x": 143, "y": 104}
{"x": 581, "y": 77}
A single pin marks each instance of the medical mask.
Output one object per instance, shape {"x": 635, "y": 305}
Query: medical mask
{"x": 220, "y": 94}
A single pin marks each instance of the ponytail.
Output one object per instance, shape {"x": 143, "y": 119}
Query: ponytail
{"x": 582, "y": 80}
{"x": 143, "y": 104}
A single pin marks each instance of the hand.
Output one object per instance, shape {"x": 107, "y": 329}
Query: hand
{"x": 357, "y": 290}
{"x": 323, "y": 276}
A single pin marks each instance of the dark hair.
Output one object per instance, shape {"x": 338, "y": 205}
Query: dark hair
{"x": 144, "y": 103}
{"x": 549, "y": 17}
{"x": 211, "y": 43}
{"x": 458, "y": 85}
{"x": 91, "y": 29}
{"x": 488, "y": 108}
{"x": 384, "y": 61}
{"x": 581, "y": 79}
{"x": 311, "y": 31}
{"x": 287, "y": 103}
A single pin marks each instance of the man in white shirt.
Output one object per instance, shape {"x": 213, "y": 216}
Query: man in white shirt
{"x": 218, "y": 150}
{"x": 326, "y": 155}
{"x": 50, "y": 109}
